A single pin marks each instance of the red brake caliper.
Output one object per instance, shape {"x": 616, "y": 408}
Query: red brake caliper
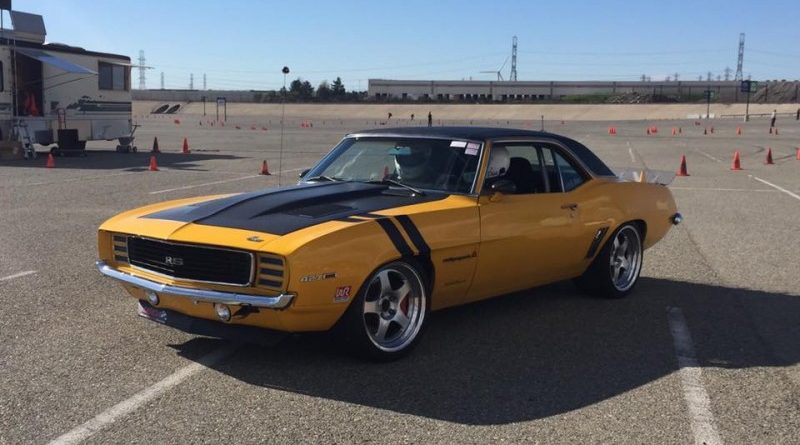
{"x": 404, "y": 305}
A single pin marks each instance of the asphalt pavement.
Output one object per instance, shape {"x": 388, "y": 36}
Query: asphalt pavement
{"x": 707, "y": 348}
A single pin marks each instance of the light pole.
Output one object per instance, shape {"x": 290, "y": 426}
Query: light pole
{"x": 285, "y": 71}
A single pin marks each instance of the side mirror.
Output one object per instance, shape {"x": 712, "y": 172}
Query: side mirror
{"x": 503, "y": 186}
{"x": 303, "y": 173}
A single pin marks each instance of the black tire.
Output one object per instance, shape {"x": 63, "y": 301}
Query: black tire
{"x": 372, "y": 326}
{"x": 609, "y": 275}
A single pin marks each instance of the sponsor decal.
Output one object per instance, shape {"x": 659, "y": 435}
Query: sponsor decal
{"x": 453, "y": 259}
{"x": 458, "y": 144}
{"x": 342, "y": 294}
{"x": 255, "y": 239}
{"x": 318, "y": 277}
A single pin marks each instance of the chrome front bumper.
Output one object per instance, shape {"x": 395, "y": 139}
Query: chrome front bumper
{"x": 210, "y": 296}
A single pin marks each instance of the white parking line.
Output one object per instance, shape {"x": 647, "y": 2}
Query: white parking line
{"x": 187, "y": 187}
{"x": 18, "y": 275}
{"x": 81, "y": 179}
{"x": 777, "y": 187}
{"x": 700, "y": 416}
{"x": 708, "y": 155}
{"x": 716, "y": 189}
{"x": 111, "y": 415}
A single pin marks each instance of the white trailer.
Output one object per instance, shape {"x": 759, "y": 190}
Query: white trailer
{"x": 57, "y": 95}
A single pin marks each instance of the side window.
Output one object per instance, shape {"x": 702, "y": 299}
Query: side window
{"x": 571, "y": 177}
{"x": 2, "y": 78}
{"x": 525, "y": 169}
{"x": 551, "y": 170}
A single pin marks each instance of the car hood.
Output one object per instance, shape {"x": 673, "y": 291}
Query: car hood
{"x": 286, "y": 210}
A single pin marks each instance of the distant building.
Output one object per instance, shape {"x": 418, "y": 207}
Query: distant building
{"x": 527, "y": 91}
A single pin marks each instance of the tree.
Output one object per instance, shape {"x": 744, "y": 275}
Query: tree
{"x": 301, "y": 90}
{"x": 324, "y": 91}
{"x": 338, "y": 88}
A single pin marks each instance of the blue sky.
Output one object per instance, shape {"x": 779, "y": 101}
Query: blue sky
{"x": 242, "y": 44}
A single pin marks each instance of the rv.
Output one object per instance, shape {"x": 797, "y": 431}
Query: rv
{"x": 59, "y": 96}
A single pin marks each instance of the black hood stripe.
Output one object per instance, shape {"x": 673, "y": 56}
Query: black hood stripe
{"x": 413, "y": 233}
{"x": 282, "y": 211}
{"x": 397, "y": 238}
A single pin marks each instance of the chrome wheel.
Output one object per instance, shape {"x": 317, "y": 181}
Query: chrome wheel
{"x": 394, "y": 307}
{"x": 625, "y": 258}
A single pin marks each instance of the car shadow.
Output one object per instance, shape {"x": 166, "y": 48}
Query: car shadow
{"x": 111, "y": 160}
{"x": 532, "y": 354}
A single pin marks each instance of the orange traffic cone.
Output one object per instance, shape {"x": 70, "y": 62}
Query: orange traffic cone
{"x": 155, "y": 146}
{"x": 768, "y": 161}
{"x": 153, "y": 164}
{"x": 682, "y": 170}
{"x": 186, "y": 150}
{"x": 51, "y": 161}
{"x": 265, "y": 169}
{"x": 738, "y": 131}
{"x": 177, "y": 121}
{"x": 737, "y": 161}
{"x": 674, "y": 131}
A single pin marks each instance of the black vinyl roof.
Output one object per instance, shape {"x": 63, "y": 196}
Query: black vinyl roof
{"x": 483, "y": 133}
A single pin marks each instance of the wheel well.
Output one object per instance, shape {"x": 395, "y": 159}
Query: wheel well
{"x": 425, "y": 263}
{"x": 641, "y": 225}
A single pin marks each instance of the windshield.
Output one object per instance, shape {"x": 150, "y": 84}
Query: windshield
{"x": 431, "y": 164}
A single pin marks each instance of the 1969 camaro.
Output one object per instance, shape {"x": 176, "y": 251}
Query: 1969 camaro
{"x": 388, "y": 226}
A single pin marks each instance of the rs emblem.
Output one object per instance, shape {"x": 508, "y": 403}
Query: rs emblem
{"x": 173, "y": 261}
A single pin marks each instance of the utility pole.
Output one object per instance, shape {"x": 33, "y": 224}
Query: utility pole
{"x": 708, "y": 78}
{"x": 727, "y": 73}
{"x": 740, "y": 61}
{"x": 204, "y": 82}
{"x": 676, "y": 77}
{"x": 162, "y": 80}
{"x": 285, "y": 71}
{"x": 191, "y": 81}
{"x": 513, "y": 77}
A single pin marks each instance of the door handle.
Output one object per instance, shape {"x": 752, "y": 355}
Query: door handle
{"x": 571, "y": 206}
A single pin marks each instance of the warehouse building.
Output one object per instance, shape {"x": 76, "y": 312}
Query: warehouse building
{"x": 526, "y": 91}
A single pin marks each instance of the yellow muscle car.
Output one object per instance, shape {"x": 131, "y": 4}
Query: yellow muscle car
{"x": 388, "y": 226}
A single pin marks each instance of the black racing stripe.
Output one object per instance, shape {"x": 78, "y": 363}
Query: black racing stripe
{"x": 282, "y": 211}
{"x": 395, "y": 236}
{"x": 413, "y": 233}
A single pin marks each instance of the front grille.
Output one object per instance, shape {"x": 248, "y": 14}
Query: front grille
{"x": 190, "y": 262}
